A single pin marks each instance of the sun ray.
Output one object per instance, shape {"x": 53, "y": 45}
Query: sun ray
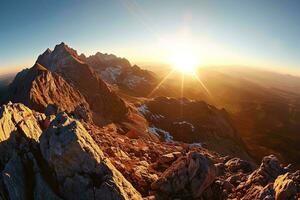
{"x": 182, "y": 84}
{"x": 203, "y": 86}
{"x": 182, "y": 90}
{"x": 160, "y": 83}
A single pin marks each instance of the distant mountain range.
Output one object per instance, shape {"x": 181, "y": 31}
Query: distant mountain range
{"x": 97, "y": 127}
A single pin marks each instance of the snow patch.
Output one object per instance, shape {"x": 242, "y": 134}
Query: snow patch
{"x": 187, "y": 123}
{"x": 133, "y": 80}
{"x": 156, "y": 117}
{"x": 109, "y": 57}
{"x": 160, "y": 132}
{"x": 196, "y": 145}
{"x": 143, "y": 110}
{"x": 111, "y": 74}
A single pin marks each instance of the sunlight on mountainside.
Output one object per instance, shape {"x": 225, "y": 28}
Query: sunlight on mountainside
{"x": 150, "y": 100}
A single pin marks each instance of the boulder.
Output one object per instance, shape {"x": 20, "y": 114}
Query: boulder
{"x": 268, "y": 171}
{"x": 285, "y": 187}
{"x": 14, "y": 177}
{"x": 81, "y": 169}
{"x": 19, "y": 129}
{"x": 259, "y": 184}
{"x": 260, "y": 193}
{"x": 23, "y": 179}
{"x": 187, "y": 177}
{"x": 237, "y": 164}
{"x": 17, "y": 118}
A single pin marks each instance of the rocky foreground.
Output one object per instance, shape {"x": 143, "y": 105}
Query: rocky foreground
{"x": 55, "y": 156}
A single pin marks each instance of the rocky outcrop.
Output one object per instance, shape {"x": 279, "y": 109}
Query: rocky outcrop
{"x": 237, "y": 164}
{"x": 188, "y": 177}
{"x": 270, "y": 181}
{"x": 39, "y": 88}
{"x": 104, "y": 103}
{"x": 71, "y": 160}
{"x": 66, "y": 164}
{"x": 82, "y": 170}
{"x": 268, "y": 171}
{"x": 287, "y": 186}
{"x": 17, "y": 119}
{"x": 21, "y": 175}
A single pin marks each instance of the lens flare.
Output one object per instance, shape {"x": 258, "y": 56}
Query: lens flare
{"x": 184, "y": 60}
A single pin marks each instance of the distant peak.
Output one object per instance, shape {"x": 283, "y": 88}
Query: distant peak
{"x": 61, "y": 45}
{"x": 82, "y": 56}
{"x": 47, "y": 52}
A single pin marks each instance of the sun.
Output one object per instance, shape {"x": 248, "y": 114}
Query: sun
{"x": 185, "y": 60}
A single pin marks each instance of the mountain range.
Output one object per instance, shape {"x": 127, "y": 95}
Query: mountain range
{"x": 98, "y": 127}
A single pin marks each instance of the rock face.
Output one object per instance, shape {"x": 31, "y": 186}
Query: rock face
{"x": 39, "y": 88}
{"x": 83, "y": 172}
{"x": 188, "y": 177}
{"x": 237, "y": 164}
{"x": 270, "y": 181}
{"x": 268, "y": 171}
{"x": 21, "y": 175}
{"x": 70, "y": 164}
{"x": 104, "y": 103}
{"x": 287, "y": 186}
{"x": 18, "y": 119}
{"x": 194, "y": 122}
{"x": 119, "y": 71}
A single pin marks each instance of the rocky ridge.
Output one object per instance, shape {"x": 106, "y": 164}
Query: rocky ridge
{"x": 61, "y": 161}
{"x": 69, "y": 159}
{"x": 104, "y": 103}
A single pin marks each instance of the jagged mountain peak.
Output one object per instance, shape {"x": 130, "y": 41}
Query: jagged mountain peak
{"x": 67, "y": 63}
{"x": 41, "y": 90}
{"x": 54, "y": 60}
{"x": 64, "y": 48}
{"x": 47, "y": 51}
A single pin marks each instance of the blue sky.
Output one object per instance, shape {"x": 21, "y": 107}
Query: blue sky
{"x": 260, "y": 33}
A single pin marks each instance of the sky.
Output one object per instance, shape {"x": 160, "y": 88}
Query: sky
{"x": 247, "y": 33}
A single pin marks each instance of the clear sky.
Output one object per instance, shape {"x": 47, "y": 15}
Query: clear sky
{"x": 260, "y": 33}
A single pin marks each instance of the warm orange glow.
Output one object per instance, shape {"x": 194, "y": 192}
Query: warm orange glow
{"x": 184, "y": 59}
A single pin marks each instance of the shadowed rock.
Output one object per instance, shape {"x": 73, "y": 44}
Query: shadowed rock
{"x": 38, "y": 88}
{"x": 21, "y": 176}
{"x": 188, "y": 177}
{"x": 83, "y": 172}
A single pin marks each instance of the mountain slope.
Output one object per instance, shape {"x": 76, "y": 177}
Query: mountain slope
{"x": 39, "y": 89}
{"x": 266, "y": 116}
{"x": 194, "y": 122}
{"x": 104, "y": 103}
